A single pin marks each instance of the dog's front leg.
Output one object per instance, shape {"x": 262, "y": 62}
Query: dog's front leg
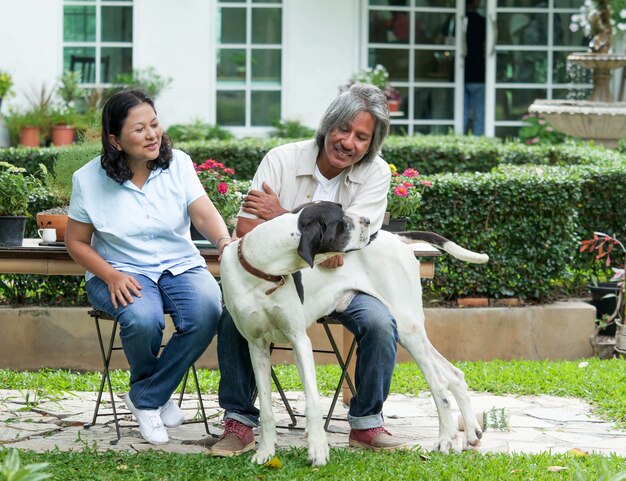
{"x": 261, "y": 364}
{"x": 316, "y": 436}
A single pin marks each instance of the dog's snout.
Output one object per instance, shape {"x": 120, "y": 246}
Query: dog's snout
{"x": 365, "y": 221}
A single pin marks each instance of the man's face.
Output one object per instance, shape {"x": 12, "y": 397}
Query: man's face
{"x": 347, "y": 144}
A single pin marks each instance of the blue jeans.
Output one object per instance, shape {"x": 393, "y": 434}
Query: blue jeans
{"x": 375, "y": 330}
{"x": 194, "y": 301}
{"x": 475, "y": 102}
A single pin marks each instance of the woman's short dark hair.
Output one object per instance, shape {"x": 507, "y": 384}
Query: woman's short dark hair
{"x": 114, "y": 114}
{"x": 358, "y": 98}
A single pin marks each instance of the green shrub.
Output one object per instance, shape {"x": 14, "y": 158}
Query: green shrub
{"x": 243, "y": 155}
{"x": 523, "y": 217}
{"x": 197, "y": 131}
{"x": 292, "y": 129}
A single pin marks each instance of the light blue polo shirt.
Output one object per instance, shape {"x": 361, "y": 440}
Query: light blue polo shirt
{"x": 140, "y": 231}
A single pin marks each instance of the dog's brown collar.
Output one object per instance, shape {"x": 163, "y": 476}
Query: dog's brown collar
{"x": 278, "y": 280}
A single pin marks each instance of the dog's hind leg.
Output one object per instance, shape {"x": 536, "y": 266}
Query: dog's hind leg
{"x": 316, "y": 436}
{"x": 260, "y": 357}
{"x": 419, "y": 347}
{"x": 458, "y": 388}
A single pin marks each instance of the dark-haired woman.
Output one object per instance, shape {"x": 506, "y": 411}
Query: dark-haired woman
{"x": 129, "y": 228}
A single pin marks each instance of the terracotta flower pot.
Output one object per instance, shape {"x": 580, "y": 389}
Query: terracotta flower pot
{"x": 394, "y": 105}
{"x": 63, "y": 134}
{"x": 29, "y": 136}
{"x": 56, "y": 221}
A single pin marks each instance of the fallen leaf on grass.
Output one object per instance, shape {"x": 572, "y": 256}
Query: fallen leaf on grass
{"x": 577, "y": 452}
{"x": 274, "y": 463}
{"x": 556, "y": 469}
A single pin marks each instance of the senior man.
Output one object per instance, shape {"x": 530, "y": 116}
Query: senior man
{"x": 341, "y": 165}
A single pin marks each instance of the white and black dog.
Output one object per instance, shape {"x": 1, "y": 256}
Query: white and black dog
{"x": 272, "y": 301}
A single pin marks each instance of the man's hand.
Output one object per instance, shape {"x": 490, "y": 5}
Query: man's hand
{"x": 263, "y": 204}
{"x": 333, "y": 262}
{"x": 122, "y": 288}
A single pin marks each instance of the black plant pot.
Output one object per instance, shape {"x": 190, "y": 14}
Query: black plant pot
{"x": 195, "y": 235}
{"x": 12, "y": 230}
{"x": 604, "y": 299}
{"x": 396, "y": 225}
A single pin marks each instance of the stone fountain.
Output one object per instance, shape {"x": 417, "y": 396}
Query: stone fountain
{"x": 600, "y": 118}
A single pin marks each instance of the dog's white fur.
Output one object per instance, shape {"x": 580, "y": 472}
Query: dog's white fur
{"x": 386, "y": 269}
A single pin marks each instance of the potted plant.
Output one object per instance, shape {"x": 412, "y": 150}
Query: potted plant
{"x": 63, "y": 118}
{"x": 223, "y": 189}
{"x": 379, "y": 77}
{"x": 603, "y": 245}
{"x": 15, "y": 188}
{"x": 6, "y": 82}
{"x": 404, "y": 197}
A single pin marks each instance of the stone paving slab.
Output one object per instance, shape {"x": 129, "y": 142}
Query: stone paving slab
{"x": 516, "y": 424}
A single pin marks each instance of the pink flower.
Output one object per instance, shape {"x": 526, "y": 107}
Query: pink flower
{"x": 222, "y": 187}
{"x": 410, "y": 172}
{"x": 401, "y": 191}
{"x": 426, "y": 183}
{"x": 407, "y": 184}
{"x": 229, "y": 171}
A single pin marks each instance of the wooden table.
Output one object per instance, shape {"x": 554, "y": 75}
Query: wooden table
{"x": 32, "y": 258}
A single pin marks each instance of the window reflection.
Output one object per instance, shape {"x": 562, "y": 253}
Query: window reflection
{"x": 512, "y": 104}
{"x": 231, "y": 108}
{"x": 79, "y": 23}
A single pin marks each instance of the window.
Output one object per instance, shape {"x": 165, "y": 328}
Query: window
{"x": 414, "y": 41}
{"x": 249, "y": 62}
{"x": 533, "y": 41}
{"x": 97, "y": 39}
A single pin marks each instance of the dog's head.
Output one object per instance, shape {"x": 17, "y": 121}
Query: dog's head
{"x": 325, "y": 227}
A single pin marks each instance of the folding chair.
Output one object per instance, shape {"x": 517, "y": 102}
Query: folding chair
{"x": 343, "y": 364}
{"x": 106, "y": 353}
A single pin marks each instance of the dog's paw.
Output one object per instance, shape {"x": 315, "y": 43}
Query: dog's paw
{"x": 446, "y": 444}
{"x": 263, "y": 455}
{"x": 472, "y": 441}
{"x": 319, "y": 453}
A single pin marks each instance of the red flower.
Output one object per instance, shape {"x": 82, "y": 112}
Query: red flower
{"x": 401, "y": 191}
{"x": 222, "y": 187}
{"x": 410, "y": 172}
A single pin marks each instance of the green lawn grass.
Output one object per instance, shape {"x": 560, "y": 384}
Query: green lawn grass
{"x": 600, "y": 382}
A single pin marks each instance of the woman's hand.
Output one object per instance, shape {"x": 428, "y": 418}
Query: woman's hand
{"x": 122, "y": 288}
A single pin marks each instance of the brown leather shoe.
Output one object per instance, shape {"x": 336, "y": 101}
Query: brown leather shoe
{"x": 236, "y": 439}
{"x": 376, "y": 439}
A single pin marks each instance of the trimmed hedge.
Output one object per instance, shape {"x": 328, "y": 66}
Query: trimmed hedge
{"x": 524, "y": 218}
{"x": 528, "y": 218}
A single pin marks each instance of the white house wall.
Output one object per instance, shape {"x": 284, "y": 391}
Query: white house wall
{"x": 177, "y": 38}
{"x": 30, "y": 36}
{"x": 321, "y": 52}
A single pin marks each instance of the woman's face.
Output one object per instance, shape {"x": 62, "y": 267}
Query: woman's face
{"x": 141, "y": 134}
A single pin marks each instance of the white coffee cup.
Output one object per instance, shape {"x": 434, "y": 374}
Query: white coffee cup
{"x": 48, "y": 235}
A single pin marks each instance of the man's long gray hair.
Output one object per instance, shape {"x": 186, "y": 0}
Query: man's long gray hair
{"x": 359, "y": 98}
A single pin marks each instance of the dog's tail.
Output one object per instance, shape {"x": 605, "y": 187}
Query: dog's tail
{"x": 441, "y": 242}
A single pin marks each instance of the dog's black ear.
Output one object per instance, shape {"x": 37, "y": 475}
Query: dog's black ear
{"x": 310, "y": 242}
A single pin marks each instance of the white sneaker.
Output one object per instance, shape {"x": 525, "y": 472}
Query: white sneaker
{"x": 150, "y": 424}
{"x": 171, "y": 415}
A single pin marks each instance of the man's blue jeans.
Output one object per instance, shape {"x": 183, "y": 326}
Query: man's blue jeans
{"x": 375, "y": 330}
{"x": 475, "y": 102}
{"x": 194, "y": 301}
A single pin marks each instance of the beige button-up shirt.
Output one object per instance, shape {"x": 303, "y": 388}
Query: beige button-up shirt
{"x": 289, "y": 171}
